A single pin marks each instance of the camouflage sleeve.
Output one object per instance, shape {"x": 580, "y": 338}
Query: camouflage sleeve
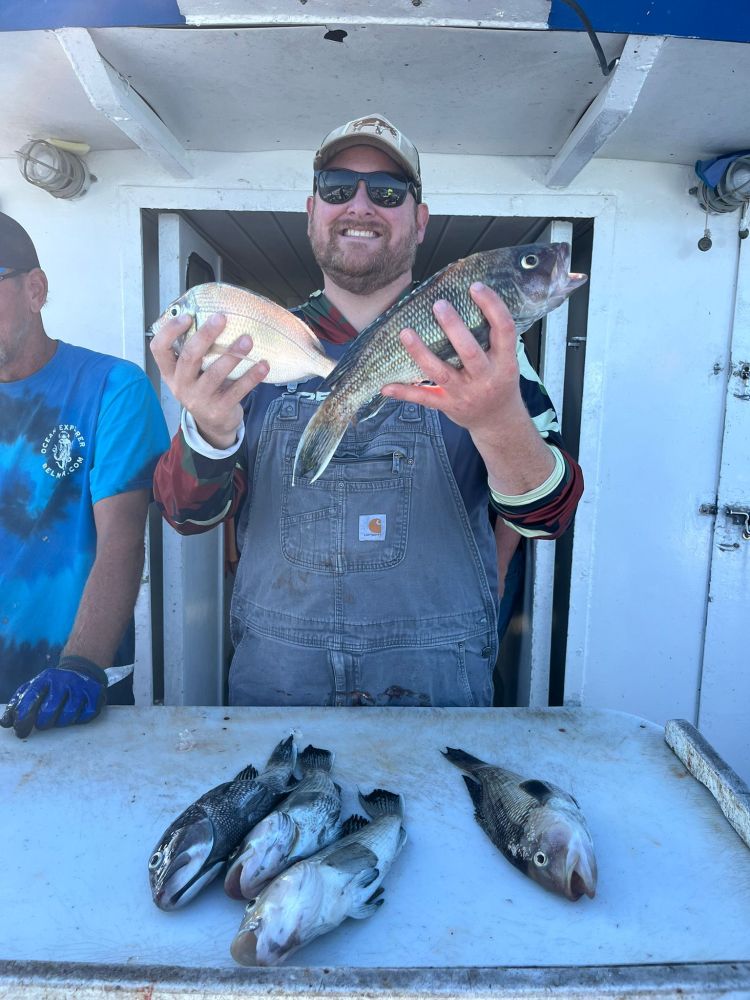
{"x": 193, "y": 492}
{"x": 547, "y": 511}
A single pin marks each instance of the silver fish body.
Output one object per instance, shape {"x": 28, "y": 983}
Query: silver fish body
{"x": 195, "y": 847}
{"x": 538, "y": 827}
{"x": 316, "y": 895}
{"x": 292, "y": 350}
{"x": 532, "y": 280}
{"x": 303, "y": 823}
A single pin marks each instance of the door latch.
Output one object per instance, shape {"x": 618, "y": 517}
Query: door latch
{"x": 740, "y": 517}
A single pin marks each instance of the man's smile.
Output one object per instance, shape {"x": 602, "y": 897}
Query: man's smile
{"x": 367, "y": 234}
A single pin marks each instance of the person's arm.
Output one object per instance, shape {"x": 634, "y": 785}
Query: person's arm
{"x": 534, "y": 484}
{"x": 111, "y": 590}
{"x": 75, "y": 690}
{"x": 195, "y": 492}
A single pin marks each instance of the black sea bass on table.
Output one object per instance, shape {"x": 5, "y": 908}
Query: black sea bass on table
{"x": 195, "y": 848}
{"x": 532, "y": 280}
{"x": 538, "y": 827}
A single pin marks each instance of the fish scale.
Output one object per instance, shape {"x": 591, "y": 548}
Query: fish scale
{"x": 532, "y": 280}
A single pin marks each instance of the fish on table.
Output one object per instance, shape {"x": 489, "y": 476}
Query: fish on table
{"x": 292, "y": 350}
{"x": 316, "y": 895}
{"x": 195, "y": 847}
{"x": 305, "y": 821}
{"x": 532, "y": 280}
{"x": 537, "y": 826}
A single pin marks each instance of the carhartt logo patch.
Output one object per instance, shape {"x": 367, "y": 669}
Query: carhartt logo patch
{"x": 372, "y": 527}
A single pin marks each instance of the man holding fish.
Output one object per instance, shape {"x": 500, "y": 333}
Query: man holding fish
{"x": 368, "y": 572}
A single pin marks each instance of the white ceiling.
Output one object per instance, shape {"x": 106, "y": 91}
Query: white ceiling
{"x": 451, "y": 89}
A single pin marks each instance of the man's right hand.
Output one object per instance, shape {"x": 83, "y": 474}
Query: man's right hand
{"x": 214, "y": 400}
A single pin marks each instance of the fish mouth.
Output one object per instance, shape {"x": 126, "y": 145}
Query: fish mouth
{"x": 244, "y": 947}
{"x": 563, "y": 282}
{"x": 185, "y": 869}
{"x": 581, "y": 880}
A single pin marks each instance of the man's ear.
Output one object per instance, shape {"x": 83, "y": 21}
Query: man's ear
{"x": 423, "y": 217}
{"x": 36, "y": 285}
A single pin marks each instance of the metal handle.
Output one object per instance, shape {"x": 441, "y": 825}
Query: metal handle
{"x": 740, "y": 516}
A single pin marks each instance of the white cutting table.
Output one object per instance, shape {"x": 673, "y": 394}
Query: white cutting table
{"x": 83, "y": 809}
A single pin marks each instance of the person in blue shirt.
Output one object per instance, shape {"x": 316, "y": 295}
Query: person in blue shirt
{"x": 80, "y": 434}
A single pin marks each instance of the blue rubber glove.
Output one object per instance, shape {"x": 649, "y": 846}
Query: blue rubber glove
{"x": 75, "y": 691}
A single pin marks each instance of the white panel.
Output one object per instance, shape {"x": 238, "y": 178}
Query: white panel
{"x": 112, "y": 94}
{"x": 725, "y": 685}
{"x": 613, "y": 105}
{"x": 480, "y": 13}
{"x": 193, "y": 565}
{"x": 533, "y": 677}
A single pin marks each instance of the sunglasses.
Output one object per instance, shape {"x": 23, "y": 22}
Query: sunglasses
{"x": 339, "y": 185}
{"x": 11, "y": 272}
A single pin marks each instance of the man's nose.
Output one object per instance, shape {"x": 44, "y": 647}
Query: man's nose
{"x": 361, "y": 199}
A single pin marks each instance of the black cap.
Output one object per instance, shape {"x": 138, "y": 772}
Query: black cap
{"x": 16, "y": 249}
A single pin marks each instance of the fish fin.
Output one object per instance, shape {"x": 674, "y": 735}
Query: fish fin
{"x": 338, "y": 788}
{"x": 401, "y": 839}
{"x": 284, "y": 753}
{"x": 476, "y": 792}
{"x": 381, "y": 802}
{"x": 369, "y": 906}
{"x": 353, "y": 858}
{"x": 537, "y": 789}
{"x": 314, "y": 759}
{"x": 461, "y": 759}
{"x": 353, "y": 824}
{"x": 320, "y": 439}
{"x": 370, "y": 409}
{"x": 248, "y": 773}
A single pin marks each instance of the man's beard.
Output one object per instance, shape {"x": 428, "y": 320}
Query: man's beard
{"x": 366, "y": 274}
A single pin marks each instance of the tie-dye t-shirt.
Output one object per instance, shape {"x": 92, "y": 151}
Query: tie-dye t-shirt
{"x": 85, "y": 427}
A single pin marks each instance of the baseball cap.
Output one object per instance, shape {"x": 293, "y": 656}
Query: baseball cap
{"x": 377, "y": 131}
{"x": 17, "y": 252}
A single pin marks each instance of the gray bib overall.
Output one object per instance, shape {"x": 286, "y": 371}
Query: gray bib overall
{"x": 366, "y": 587}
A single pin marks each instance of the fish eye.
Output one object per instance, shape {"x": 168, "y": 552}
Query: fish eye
{"x": 174, "y": 311}
{"x": 529, "y": 261}
{"x": 155, "y": 860}
{"x": 540, "y": 859}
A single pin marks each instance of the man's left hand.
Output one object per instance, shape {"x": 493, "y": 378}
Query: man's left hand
{"x": 75, "y": 691}
{"x": 476, "y": 395}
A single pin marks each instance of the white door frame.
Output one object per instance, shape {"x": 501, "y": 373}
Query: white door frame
{"x": 545, "y": 204}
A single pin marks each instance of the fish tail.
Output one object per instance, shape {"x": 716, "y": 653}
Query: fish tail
{"x": 381, "y": 802}
{"x": 314, "y": 759}
{"x": 284, "y": 754}
{"x": 320, "y": 439}
{"x": 462, "y": 759}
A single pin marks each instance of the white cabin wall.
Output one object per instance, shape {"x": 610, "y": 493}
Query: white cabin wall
{"x": 652, "y": 417}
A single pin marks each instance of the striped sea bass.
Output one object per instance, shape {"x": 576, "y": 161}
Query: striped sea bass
{"x": 532, "y": 280}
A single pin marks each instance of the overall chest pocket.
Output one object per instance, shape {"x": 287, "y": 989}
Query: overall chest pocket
{"x": 355, "y": 517}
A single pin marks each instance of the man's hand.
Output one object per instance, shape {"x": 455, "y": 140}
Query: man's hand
{"x": 475, "y": 395}
{"x": 483, "y": 395}
{"x": 214, "y": 400}
{"x": 73, "y": 692}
